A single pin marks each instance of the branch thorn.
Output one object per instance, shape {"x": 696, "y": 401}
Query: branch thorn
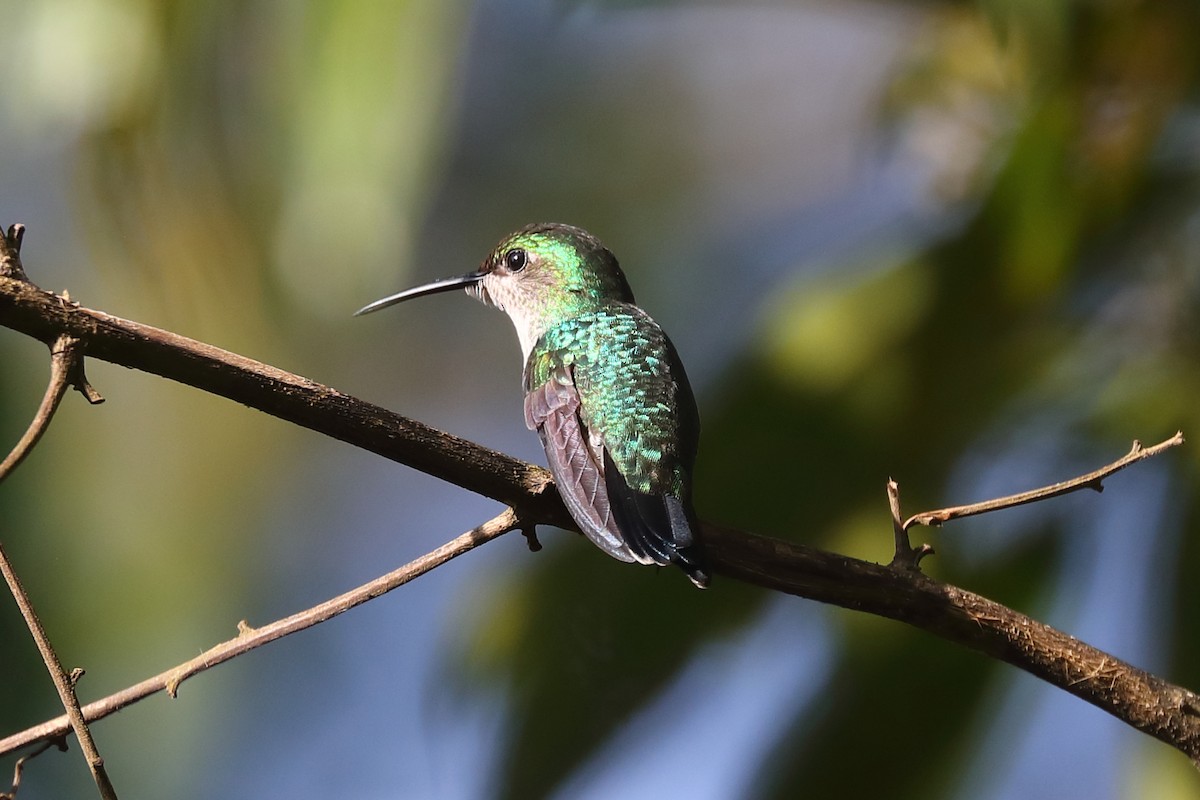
{"x": 531, "y": 538}
{"x": 10, "y": 253}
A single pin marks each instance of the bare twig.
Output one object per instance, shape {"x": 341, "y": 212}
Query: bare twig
{"x": 249, "y": 638}
{"x": 55, "y": 391}
{"x": 62, "y": 681}
{"x": 66, "y": 368}
{"x": 19, "y": 767}
{"x": 906, "y": 556}
{"x": 1091, "y": 480}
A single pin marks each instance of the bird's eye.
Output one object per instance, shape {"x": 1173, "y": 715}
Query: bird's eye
{"x": 516, "y": 259}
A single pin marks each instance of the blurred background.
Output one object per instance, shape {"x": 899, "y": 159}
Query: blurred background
{"x": 953, "y": 243}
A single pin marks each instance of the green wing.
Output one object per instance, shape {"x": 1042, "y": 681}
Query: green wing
{"x": 612, "y": 404}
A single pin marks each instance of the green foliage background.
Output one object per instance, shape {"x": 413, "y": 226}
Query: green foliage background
{"x": 953, "y": 243}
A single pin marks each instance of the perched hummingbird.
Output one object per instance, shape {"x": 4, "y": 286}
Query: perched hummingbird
{"x": 604, "y": 388}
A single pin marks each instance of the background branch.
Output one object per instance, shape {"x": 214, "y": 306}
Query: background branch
{"x": 55, "y": 390}
{"x": 1150, "y": 704}
{"x": 249, "y": 638}
{"x": 62, "y": 681}
{"x": 1092, "y": 480}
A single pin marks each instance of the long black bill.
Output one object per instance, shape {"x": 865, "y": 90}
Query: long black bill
{"x": 444, "y": 285}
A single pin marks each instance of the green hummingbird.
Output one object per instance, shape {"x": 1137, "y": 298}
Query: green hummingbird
{"x": 604, "y": 389}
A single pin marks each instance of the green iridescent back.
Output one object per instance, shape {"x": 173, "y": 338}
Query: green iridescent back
{"x": 633, "y": 391}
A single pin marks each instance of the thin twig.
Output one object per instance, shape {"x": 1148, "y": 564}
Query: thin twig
{"x": 19, "y": 767}
{"x": 249, "y": 638}
{"x": 906, "y": 556}
{"x": 62, "y": 681}
{"x": 56, "y": 389}
{"x": 1092, "y": 480}
{"x": 66, "y": 368}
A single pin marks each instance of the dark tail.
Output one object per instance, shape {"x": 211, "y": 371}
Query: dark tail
{"x": 657, "y": 528}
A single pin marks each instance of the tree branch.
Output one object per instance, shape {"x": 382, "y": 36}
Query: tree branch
{"x": 62, "y": 682}
{"x": 45, "y": 316}
{"x": 1092, "y": 480}
{"x": 66, "y": 368}
{"x": 1154, "y": 706}
{"x": 249, "y": 638}
{"x": 19, "y": 766}
{"x": 1163, "y": 710}
{"x": 909, "y": 557}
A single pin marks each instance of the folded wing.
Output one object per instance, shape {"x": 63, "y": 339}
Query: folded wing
{"x": 628, "y": 524}
{"x": 552, "y": 409}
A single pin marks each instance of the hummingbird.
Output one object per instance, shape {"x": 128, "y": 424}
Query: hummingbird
{"x": 604, "y": 389}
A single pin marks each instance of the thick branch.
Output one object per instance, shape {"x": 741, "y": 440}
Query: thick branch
{"x": 1163, "y": 710}
{"x": 1154, "y": 706}
{"x": 45, "y": 316}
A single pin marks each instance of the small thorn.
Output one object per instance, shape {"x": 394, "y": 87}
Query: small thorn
{"x": 16, "y": 233}
{"x": 531, "y": 538}
{"x": 10, "y": 253}
{"x": 910, "y": 558}
{"x": 80, "y": 381}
